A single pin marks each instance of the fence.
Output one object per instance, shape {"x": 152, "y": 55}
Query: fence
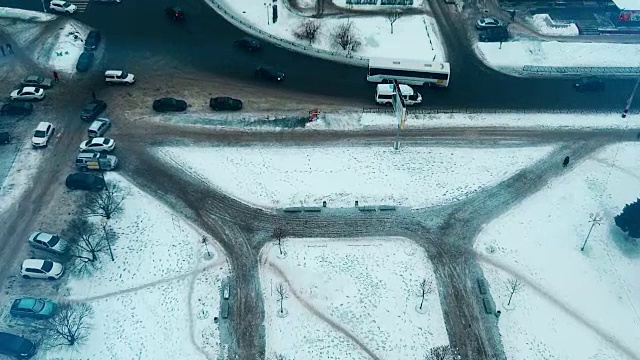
{"x": 339, "y": 56}
{"x": 433, "y": 111}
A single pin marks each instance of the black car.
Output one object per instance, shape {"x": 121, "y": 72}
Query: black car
{"x": 93, "y": 109}
{"x": 169, "y": 104}
{"x": 248, "y": 43}
{"x": 174, "y": 12}
{"x": 225, "y": 103}
{"x": 92, "y": 41}
{"x": 589, "y": 84}
{"x": 84, "y": 181}
{"x": 84, "y": 61}
{"x": 494, "y": 34}
{"x": 16, "y": 346}
{"x": 268, "y": 73}
{"x": 17, "y": 108}
{"x": 5, "y": 138}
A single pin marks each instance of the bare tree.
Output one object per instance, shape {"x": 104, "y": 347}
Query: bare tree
{"x": 86, "y": 244}
{"x": 442, "y": 352}
{"x": 307, "y": 30}
{"x": 279, "y": 357}
{"x": 278, "y": 235}
{"x": 426, "y": 288}
{"x": 105, "y": 203}
{"x": 69, "y": 325}
{"x": 345, "y": 37}
{"x": 282, "y": 294}
{"x": 513, "y": 286}
{"x": 393, "y": 16}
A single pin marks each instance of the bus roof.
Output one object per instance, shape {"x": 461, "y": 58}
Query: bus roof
{"x": 400, "y": 64}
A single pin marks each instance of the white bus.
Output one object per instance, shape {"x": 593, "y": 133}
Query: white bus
{"x": 412, "y": 72}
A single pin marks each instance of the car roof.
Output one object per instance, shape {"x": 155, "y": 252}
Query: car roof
{"x": 30, "y": 88}
{"x": 33, "y": 77}
{"x": 95, "y": 125}
{"x": 81, "y": 176}
{"x": 33, "y": 263}
{"x": 113, "y": 72}
{"x": 43, "y": 125}
{"x": 12, "y": 341}
{"x": 43, "y": 235}
{"x": 98, "y": 139}
{"x": 88, "y": 155}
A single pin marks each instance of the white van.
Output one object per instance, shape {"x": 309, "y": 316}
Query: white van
{"x": 119, "y": 77}
{"x": 384, "y": 95}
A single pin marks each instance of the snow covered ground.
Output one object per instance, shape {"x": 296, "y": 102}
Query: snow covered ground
{"x": 547, "y": 26}
{"x": 305, "y": 176}
{"x": 352, "y": 296}
{"x": 159, "y": 293}
{"x": 12, "y": 13}
{"x": 23, "y": 168}
{"x": 575, "y": 305}
{"x": 414, "y": 37}
{"x": 68, "y": 48}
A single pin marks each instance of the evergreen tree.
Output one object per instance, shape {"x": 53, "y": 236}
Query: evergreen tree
{"x": 629, "y": 220}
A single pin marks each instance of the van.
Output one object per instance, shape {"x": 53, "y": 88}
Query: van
{"x": 96, "y": 161}
{"x": 119, "y": 77}
{"x": 99, "y": 127}
{"x": 384, "y": 95}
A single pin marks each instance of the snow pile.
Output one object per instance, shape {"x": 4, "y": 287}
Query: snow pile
{"x": 24, "y": 167}
{"x": 547, "y": 26}
{"x": 305, "y": 176}
{"x": 575, "y": 304}
{"x": 356, "y": 297}
{"x": 375, "y": 6}
{"x": 12, "y": 13}
{"x": 69, "y": 47}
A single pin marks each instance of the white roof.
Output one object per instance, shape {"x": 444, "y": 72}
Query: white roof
{"x": 33, "y": 263}
{"x": 403, "y": 64}
{"x": 388, "y": 89}
{"x": 31, "y": 89}
{"x": 43, "y": 125}
{"x": 113, "y": 72}
{"x": 627, "y": 4}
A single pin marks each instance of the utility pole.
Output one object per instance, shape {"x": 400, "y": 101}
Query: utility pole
{"x": 105, "y": 228}
{"x": 594, "y": 219}
{"x": 633, "y": 94}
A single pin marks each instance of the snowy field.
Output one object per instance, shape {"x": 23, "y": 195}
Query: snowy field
{"x": 575, "y": 305}
{"x": 12, "y": 13}
{"x": 18, "y": 178}
{"x": 68, "y": 48}
{"x": 158, "y": 294}
{"x": 355, "y": 297}
{"x": 305, "y": 176}
{"x": 547, "y": 26}
{"x": 414, "y": 37}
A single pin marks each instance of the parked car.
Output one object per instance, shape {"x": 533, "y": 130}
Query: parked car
{"x": 488, "y": 22}
{"x": 47, "y": 242}
{"x": 16, "y": 108}
{"x": 225, "y": 103}
{"x": 5, "y": 138}
{"x": 28, "y": 93}
{"x": 98, "y": 144}
{"x": 174, "y": 12}
{"x": 93, "y": 40}
{"x": 98, "y": 127}
{"x": 41, "y": 269}
{"x": 33, "y": 308}
{"x": 591, "y": 83}
{"x": 119, "y": 77}
{"x": 84, "y": 181}
{"x": 93, "y": 109}
{"x": 42, "y": 134}
{"x": 248, "y": 43}
{"x": 16, "y": 346}
{"x": 37, "y": 81}
{"x": 96, "y": 161}
{"x": 267, "y": 73}
{"x": 62, "y": 6}
{"x": 85, "y": 61}
{"x": 496, "y": 34}
{"x": 169, "y": 104}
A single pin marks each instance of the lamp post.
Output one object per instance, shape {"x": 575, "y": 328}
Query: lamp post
{"x": 268, "y": 7}
{"x": 105, "y": 228}
{"x": 594, "y": 219}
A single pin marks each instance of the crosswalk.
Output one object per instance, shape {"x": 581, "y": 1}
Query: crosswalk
{"x": 81, "y": 4}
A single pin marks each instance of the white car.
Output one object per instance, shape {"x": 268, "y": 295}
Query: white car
{"x": 42, "y": 134}
{"x": 48, "y": 242}
{"x": 98, "y": 144}
{"x": 28, "y": 93}
{"x": 62, "y": 6}
{"x": 41, "y": 269}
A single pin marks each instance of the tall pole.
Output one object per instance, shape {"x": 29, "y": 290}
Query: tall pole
{"x": 594, "y": 220}
{"x": 105, "y": 223}
{"x": 396, "y": 146}
{"x": 633, "y": 94}
{"x": 267, "y": 7}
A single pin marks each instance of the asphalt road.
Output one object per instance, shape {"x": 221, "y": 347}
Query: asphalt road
{"x": 137, "y": 29}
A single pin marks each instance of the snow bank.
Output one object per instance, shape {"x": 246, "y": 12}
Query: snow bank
{"x": 24, "y": 167}
{"x": 575, "y": 304}
{"x": 12, "y": 13}
{"x": 340, "y": 290}
{"x": 305, "y": 176}
{"x": 67, "y": 50}
{"x": 547, "y": 26}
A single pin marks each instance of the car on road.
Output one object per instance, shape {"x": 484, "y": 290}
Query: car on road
{"x": 248, "y": 43}
{"x": 174, "y": 12}
{"x": 95, "y": 161}
{"x": 93, "y": 109}
{"x": 488, "y": 22}
{"x": 41, "y": 269}
{"x": 33, "y": 308}
{"x": 92, "y": 41}
{"x": 84, "y": 61}
{"x": 16, "y": 108}
{"x": 16, "y": 346}
{"x": 119, "y": 77}
{"x": 99, "y": 144}
{"x": 28, "y": 93}
{"x": 42, "y": 134}
{"x": 268, "y": 73}
{"x": 98, "y": 127}
{"x": 84, "y": 181}
{"x": 37, "y": 81}
{"x": 169, "y": 104}
{"x": 48, "y": 242}
{"x": 592, "y": 83}
{"x": 225, "y": 103}
{"x": 5, "y": 138}
{"x": 496, "y": 34}
{"x": 62, "y": 6}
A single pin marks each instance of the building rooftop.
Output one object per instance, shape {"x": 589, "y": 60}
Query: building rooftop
{"x": 627, "y": 4}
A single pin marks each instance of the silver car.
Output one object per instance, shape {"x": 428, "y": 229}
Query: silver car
{"x": 37, "y": 81}
{"x": 99, "y": 127}
{"x": 48, "y": 242}
{"x": 488, "y": 22}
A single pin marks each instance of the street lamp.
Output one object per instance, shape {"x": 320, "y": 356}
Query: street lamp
{"x": 105, "y": 228}
{"x": 594, "y": 219}
{"x": 268, "y": 7}
{"x": 633, "y": 94}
